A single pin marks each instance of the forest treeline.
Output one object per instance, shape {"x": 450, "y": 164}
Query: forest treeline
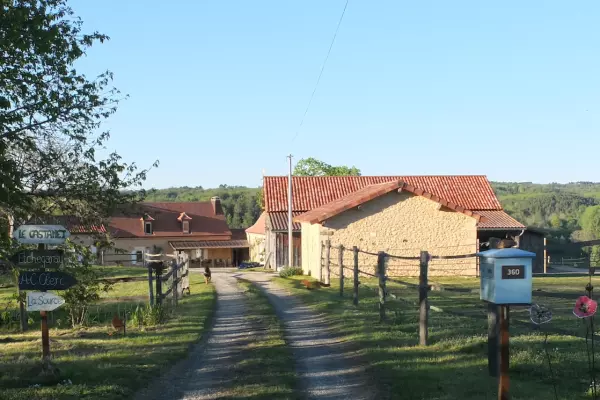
{"x": 556, "y": 207}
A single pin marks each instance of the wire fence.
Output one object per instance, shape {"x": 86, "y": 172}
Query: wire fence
{"x": 391, "y": 277}
{"x": 446, "y": 261}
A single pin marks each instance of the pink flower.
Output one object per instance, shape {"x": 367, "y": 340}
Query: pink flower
{"x": 585, "y": 307}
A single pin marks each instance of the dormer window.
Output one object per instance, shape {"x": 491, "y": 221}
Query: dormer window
{"x": 185, "y": 222}
{"x": 147, "y": 220}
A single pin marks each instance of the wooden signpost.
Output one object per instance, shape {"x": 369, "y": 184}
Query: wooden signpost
{"x": 41, "y": 280}
{"x": 38, "y": 258}
{"x": 43, "y": 301}
{"x": 47, "y": 280}
{"x": 41, "y": 234}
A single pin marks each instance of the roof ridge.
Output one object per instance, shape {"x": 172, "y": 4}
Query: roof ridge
{"x": 173, "y": 202}
{"x": 378, "y": 176}
{"x": 469, "y": 191}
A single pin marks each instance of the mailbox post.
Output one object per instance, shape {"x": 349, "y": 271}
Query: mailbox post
{"x": 506, "y": 279}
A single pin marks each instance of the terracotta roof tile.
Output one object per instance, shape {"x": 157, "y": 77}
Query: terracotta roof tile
{"x": 259, "y": 225}
{"x": 498, "y": 220}
{"x": 75, "y": 224}
{"x": 347, "y": 202}
{"x": 203, "y": 221}
{"x": 309, "y": 192}
{"x": 371, "y": 192}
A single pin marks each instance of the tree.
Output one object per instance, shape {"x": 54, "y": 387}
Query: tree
{"x": 50, "y": 120}
{"x": 50, "y": 116}
{"x": 313, "y": 167}
{"x": 590, "y": 221}
{"x": 556, "y": 222}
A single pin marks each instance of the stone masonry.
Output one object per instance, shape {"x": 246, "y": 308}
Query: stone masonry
{"x": 400, "y": 224}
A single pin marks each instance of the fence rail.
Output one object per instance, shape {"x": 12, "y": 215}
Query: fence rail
{"x": 349, "y": 264}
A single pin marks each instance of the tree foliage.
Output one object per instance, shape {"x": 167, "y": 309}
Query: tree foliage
{"x": 559, "y": 210}
{"x": 313, "y": 167}
{"x": 50, "y": 116}
{"x": 50, "y": 120}
{"x": 590, "y": 221}
{"x": 78, "y": 262}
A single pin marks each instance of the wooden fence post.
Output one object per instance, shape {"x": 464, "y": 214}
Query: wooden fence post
{"x": 355, "y": 297}
{"x": 321, "y": 263}
{"x": 158, "y": 279}
{"x": 150, "y": 286}
{"x": 493, "y": 338}
{"x": 341, "y": 262}
{"x": 504, "y": 381}
{"x": 546, "y": 256}
{"x": 423, "y": 304}
{"x": 382, "y": 277}
{"x": 175, "y": 286}
{"x": 327, "y": 256}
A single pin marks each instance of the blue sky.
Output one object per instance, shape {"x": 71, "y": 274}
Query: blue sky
{"x": 218, "y": 88}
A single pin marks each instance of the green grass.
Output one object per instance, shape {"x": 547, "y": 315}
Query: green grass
{"x": 258, "y": 269}
{"x": 101, "y": 366}
{"x": 268, "y": 370}
{"x": 114, "y": 271}
{"x": 454, "y": 365}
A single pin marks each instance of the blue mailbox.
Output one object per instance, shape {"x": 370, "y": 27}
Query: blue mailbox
{"x": 506, "y": 276}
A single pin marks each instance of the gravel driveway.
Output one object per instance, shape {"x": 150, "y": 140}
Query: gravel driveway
{"x": 326, "y": 366}
{"x": 208, "y": 372}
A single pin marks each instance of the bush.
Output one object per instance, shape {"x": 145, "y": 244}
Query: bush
{"x": 149, "y": 315}
{"x": 290, "y": 271}
{"x": 155, "y": 315}
{"x": 5, "y": 318}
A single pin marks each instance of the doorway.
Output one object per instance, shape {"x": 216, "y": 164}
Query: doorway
{"x": 240, "y": 255}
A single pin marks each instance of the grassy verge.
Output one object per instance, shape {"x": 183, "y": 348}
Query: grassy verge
{"x": 454, "y": 366}
{"x": 97, "y": 365}
{"x": 268, "y": 370}
{"x": 257, "y": 269}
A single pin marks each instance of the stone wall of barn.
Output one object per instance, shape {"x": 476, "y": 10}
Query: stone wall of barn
{"x": 400, "y": 224}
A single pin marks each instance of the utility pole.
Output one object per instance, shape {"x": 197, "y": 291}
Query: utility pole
{"x": 290, "y": 241}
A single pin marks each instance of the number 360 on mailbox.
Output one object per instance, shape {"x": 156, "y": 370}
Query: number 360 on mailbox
{"x": 506, "y": 276}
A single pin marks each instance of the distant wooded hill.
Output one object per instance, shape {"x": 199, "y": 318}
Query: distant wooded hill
{"x": 557, "y": 207}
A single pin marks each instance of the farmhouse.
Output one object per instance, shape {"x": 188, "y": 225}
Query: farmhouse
{"x": 196, "y": 228}
{"x": 445, "y": 215}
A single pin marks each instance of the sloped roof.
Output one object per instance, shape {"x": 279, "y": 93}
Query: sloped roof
{"x": 278, "y": 221}
{"x": 371, "y": 192}
{"x": 208, "y": 244}
{"x": 204, "y": 221}
{"x": 259, "y": 225}
{"x": 473, "y": 192}
{"x": 238, "y": 234}
{"x": 498, "y": 220}
{"x": 75, "y": 224}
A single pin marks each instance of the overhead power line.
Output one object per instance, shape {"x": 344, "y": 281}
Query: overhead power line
{"x": 321, "y": 72}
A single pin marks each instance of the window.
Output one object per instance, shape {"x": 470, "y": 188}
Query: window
{"x": 186, "y": 226}
{"x": 148, "y": 228}
{"x": 139, "y": 256}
